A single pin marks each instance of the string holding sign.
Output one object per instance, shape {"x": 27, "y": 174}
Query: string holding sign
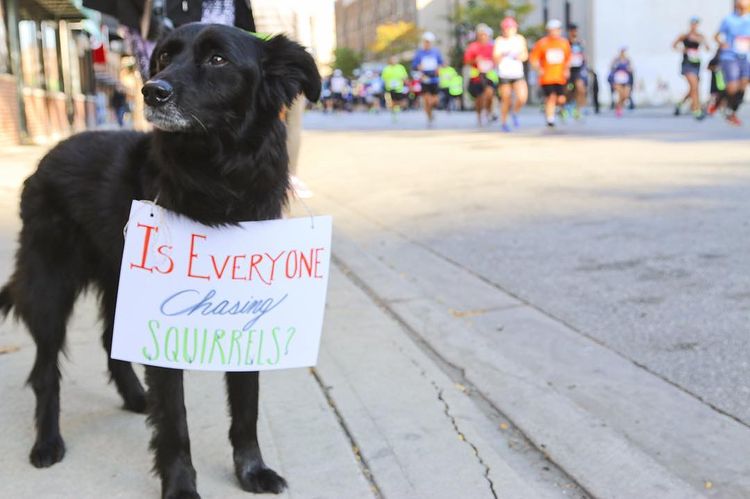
{"x": 152, "y": 204}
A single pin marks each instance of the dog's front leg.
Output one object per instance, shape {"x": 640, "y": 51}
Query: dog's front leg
{"x": 170, "y": 441}
{"x": 251, "y": 471}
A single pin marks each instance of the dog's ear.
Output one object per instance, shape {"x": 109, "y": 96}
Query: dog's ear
{"x": 290, "y": 70}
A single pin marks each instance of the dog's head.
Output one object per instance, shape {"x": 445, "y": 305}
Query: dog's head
{"x": 213, "y": 77}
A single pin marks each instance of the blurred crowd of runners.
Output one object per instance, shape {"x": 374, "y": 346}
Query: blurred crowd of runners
{"x": 497, "y": 72}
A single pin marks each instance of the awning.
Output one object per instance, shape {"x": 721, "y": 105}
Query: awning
{"x": 53, "y": 9}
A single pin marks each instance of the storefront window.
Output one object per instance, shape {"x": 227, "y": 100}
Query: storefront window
{"x": 49, "y": 54}
{"x": 31, "y": 66}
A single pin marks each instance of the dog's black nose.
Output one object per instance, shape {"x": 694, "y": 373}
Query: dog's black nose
{"x": 157, "y": 92}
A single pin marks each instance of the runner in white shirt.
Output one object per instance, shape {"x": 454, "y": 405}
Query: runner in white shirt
{"x": 510, "y": 53}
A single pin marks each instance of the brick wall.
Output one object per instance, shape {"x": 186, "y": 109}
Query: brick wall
{"x": 79, "y": 117}
{"x": 57, "y": 115}
{"x": 9, "y": 126}
{"x": 37, "y": 122}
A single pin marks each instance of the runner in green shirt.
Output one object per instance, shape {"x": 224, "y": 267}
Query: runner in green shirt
{"x": 445, "y": 76}
{"x": 456, "y": 91}
{"x": 394, "y": 77}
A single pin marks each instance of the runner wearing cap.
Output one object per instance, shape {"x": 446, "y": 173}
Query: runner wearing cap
{"x": 510, "y": 53}
{"x": 550, "y": 57}
{"x": 734, "y": 40}
{"x": 339, "y": 86}
{"x": 621, "y": 79}
{"x": 428, "y": 61}
{"x": 690, "y": 43}
{"x": 478, "y": 55}
{"x": 579, "y": 77}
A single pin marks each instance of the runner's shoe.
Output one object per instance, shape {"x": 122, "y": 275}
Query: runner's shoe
{"x": 711, "y": 109}
{"x": 516, "y": 123}
{"x": 505, "y": 128}
{"x": 732, "y": 119}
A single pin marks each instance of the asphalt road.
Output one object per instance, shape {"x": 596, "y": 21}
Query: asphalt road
{"x": 633, "y": 232}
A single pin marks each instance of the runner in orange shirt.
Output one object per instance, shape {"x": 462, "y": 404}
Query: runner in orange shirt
{"x": 551, "y": 57}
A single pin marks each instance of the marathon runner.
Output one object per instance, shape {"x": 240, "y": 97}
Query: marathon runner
{"x": 339, "y": 87}
{"x": 691, "y": 43}
{"x": 445, "y": 76}
{"x": 394, "y": 77}
{"x": 478, "y": 55}
{"x": 374, "y": 91}
{"x": 734, "y": 40}
{"x": 428, "y": 61}
{"x": 718, "y": 85}
{"x": 621, "y": 79}
{"x": 456, "y": 90}
{"x": 550, "y": 57}
{"x": 510, "y": 53}
{"x": 579, "y": 77}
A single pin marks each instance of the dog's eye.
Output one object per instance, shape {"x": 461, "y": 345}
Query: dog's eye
{"x": 163, "y": 59}
{"x": 217, "y": 60}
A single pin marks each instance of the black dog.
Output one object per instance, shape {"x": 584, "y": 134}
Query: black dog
{"x": 218, "y": 156}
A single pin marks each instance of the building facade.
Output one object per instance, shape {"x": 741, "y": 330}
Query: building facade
{"x": 311, "y": 23}
{"x": 357, "y": 20}
{"x": 48, "y": 80}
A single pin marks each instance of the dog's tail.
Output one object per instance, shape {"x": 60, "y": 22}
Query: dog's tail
{"x": 6, "y": 300}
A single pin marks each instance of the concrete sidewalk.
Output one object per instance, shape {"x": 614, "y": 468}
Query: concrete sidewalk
{"x": 378, "y": 416}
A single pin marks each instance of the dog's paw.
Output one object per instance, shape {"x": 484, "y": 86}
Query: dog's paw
{"x": 182, "y": 494}
{"x": 262, "y": 480}
{"x": 45, "y": 454}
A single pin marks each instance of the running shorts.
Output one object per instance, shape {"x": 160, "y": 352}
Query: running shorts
{"x": 396, "y": 95}
{"x": 735, "y": 70}
{"x": 579, "y": 74}
{"x": 430, "y": 88}
{"x": 690, "y": 68}
{"x": 555, "y": 89}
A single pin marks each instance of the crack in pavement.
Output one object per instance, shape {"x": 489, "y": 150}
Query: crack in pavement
{"x": 455, "y": 372}
{"x": 361, "y": 461}
{"x": 452, "y": 419}
{"x": 464, "y": 439}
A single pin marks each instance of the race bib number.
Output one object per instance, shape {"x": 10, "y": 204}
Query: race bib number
{"x": 576, "y": 60}
{"x": 622, "y": 77}
{"x": 693, "y": 55}
{"x": 742, "y": 45}
{"x": 555, "y": 56}
{"x": 395, "y": 84}
{"x": 244, "y": 298}
{"x": 485, "y": 65}
{"x": 429, "y": 63}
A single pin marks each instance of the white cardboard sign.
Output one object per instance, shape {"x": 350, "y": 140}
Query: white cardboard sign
{"x": 244, "y": 298}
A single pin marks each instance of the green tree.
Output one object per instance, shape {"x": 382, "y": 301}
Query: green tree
{"x": 491, "y": 13}
{"x": 347, "y": 60}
